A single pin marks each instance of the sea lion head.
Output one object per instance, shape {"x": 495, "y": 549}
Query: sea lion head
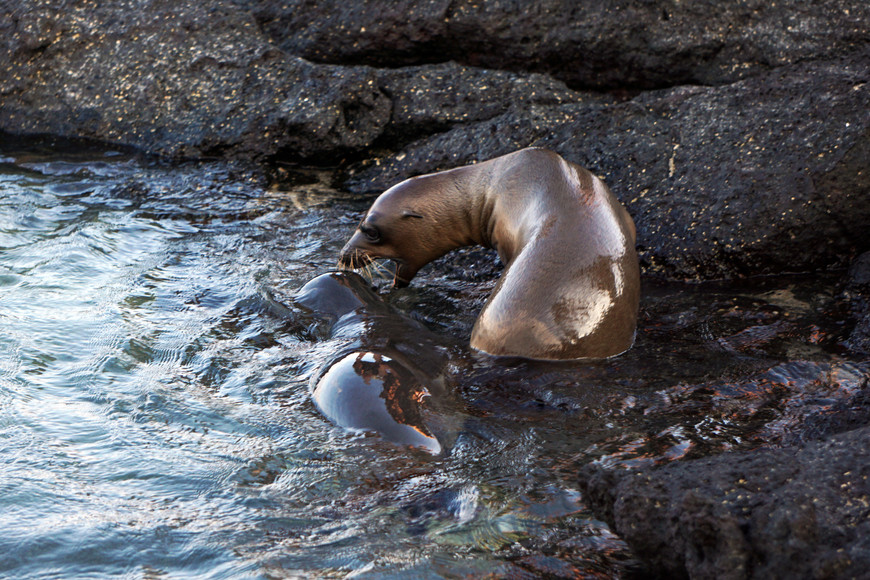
{"x": 405, "y": 224}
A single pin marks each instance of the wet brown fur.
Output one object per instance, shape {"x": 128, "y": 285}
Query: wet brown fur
{"x": 571, "y": 283}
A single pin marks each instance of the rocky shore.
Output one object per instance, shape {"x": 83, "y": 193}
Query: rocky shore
{"x": 738, "y": 136}
{"x": 727, "y": 131}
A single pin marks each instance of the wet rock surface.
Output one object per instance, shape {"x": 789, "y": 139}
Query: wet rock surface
{"x": 620, "y": 44}
{"x": 176, "y": 79}
{"x": 737, "y": 135}
{"x": 771, "y": 513}
{"x": 794, "y": 502}
{"x": 857, "y": 290}
{"x": 759, "y": 145}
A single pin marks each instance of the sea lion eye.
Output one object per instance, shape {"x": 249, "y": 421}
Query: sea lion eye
{"x": 371, "y": 233}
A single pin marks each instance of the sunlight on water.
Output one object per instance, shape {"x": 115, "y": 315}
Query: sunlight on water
{"x": 155, "y": 416}
{"x": 116, "y": 454}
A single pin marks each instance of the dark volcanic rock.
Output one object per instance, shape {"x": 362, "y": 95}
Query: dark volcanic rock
{"x": 772, "y": 513}
{"x": 622, "y": 43}
{"x": 722, "y": 181}
{"x": 432, "y": 99}
{"x": 764, "y": 175}
{"x": 842, "y": 416}
{"x": 175, "y": 78}
{"x": 858, "y": 292}
{"x": 859, "y": 273}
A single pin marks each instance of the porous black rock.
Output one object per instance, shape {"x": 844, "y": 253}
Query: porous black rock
{"x": 793, "y": 512}
{"x": 434, "y": 98}
{"x": 722, "y": 181}
{"x": 181, "y": 79}
{"x": 857, "y": 291}
{"x": 617, "y": 44}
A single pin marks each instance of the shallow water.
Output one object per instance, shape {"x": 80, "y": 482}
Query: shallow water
{"x": 156, "y": 418}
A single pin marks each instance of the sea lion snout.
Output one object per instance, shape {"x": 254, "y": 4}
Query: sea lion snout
{"x": 357, "y": 255}
{"x": 354, "y": 255}
{"x": 348, "y": 258}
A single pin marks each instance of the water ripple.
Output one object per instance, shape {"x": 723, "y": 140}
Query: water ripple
{"x": 155, "y": 416}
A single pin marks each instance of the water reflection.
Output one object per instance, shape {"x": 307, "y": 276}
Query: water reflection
{"x": 369, "y": 391}
{"x": 157, "y": 369}
{"x": 387, "y": 373}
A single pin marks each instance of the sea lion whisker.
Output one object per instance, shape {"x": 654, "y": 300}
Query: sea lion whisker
{"x": 364, "y": 260}
{"x": 367, "y": 273}
{"x": 381, "y": 269}
{"x": 352, "y": 261}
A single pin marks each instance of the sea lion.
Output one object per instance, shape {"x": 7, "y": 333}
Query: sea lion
{"x": 571, "y": 283}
